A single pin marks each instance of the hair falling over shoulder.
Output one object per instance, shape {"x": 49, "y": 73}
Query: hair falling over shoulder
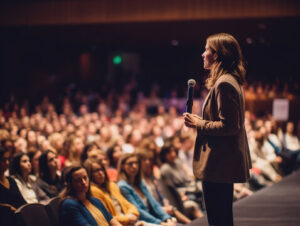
{"x": 229, "y": 59}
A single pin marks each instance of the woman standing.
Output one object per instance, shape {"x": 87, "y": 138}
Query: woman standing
{"x": 221, "y": 155}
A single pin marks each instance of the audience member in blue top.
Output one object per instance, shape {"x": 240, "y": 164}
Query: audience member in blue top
{"x": 135, "y": 191}
{"x": 78, "y": 207}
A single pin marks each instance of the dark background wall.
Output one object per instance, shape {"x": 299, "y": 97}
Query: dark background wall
{"x": 46, "y": 45}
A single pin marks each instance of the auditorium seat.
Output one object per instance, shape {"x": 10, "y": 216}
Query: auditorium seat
{"x": 32, "y": 215}
{"x": 7, "y": 216}
{"x": 52, "y": 208}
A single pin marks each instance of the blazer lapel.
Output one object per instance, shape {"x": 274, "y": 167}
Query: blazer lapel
{"x": 205, "y": 101}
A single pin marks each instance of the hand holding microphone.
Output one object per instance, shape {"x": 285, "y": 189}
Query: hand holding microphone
{"x": 190, "y": 120}
{"x": 190, "y": 95}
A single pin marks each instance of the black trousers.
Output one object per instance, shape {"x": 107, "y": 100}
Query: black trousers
{"x": 218, "y": 198}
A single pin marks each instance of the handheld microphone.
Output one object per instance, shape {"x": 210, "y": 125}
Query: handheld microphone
{"x": 190, "y": 95}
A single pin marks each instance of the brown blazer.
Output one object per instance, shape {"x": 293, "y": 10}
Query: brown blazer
{"x": 221, "y": 149}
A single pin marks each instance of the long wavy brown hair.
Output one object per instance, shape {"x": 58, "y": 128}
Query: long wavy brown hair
{"x": 68, "y": 191}
{"x": 229, "y": 59}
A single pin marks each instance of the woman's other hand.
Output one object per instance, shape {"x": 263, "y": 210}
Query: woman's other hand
{"x": 191, "y": 120}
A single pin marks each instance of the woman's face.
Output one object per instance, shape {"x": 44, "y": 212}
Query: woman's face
{"x": 9, "y": 145}
{"x": 25, "y": 165}
{"x": 52, "y": 161}
{"x": 171, "y": 156}
{"x": 78, "y": 145}
{"x": 290, "y": 127}
{"x": 98, "y": 174}
{"x": 23, "y": 133}
{"x": 131, "y": 166}
{"x": 93, "y": 155}
{"x": 147, "y": 165}
{"x": 59, "y": 143}
{"x": 208, "y": 57}
{"x": 104, "y": 159}
{"x": 80, "y": 181}
{"x": 31, "y": 137}
{"x": 117, "y": 153}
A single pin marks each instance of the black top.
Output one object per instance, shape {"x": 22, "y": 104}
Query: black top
{"x": 12, "y": 195}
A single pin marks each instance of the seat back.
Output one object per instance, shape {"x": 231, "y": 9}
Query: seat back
{"x": 52, "y": 208}
{"x": 7, "y": 215}
{"x": 34, "y": 214}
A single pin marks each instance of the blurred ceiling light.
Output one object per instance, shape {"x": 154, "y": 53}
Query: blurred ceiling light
{"x": 174, "y": 42}
{"x": 249, "y": 41}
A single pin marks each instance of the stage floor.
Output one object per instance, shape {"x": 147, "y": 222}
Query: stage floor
{"x": 277, "y": 205}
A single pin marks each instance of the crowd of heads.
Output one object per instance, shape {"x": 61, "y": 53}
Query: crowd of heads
{"x": 86, "y": 129}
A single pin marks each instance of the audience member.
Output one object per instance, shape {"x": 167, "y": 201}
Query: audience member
{"x": 20, "y": 169}
{"x": 77, "y": 206}
{"x": 49, "y": 180}
{"x": 9, "y": 191}
{"x": 173, "y": 173}
{"x": 109, "y": 194}
{"x": 152, "y": 183}
{"x": 135, "y": 191}
{"x": 145, "y": 124}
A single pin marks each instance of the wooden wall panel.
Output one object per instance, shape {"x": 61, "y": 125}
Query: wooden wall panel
{"x": 118, "y": 11}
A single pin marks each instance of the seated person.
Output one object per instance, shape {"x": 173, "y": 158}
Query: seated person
{"x": 9, "y": 191}
{"x": 135, "y": 191}
{"x": 109, "y": 194}
{"x": 49, "y": 180}
{"x": 20, "y": 169}
{"x": 113, "y": 154}
{"x": 77, "y": 207}
{"x": 291, "y": 143}
{"x": 152, "y": 184}
{"x": 173, "y": 174}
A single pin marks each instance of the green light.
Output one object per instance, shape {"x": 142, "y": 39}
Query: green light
{"x": 117, "y": 59}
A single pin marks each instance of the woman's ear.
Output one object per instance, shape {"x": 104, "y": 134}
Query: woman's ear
{"x": 215, "y": 56}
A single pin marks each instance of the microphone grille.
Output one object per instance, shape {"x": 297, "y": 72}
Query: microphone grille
{"x": 191, "y": 82}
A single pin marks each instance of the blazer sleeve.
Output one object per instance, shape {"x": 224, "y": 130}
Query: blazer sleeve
{"x": 144, "y": 215}
{"x": 228, "y": 110}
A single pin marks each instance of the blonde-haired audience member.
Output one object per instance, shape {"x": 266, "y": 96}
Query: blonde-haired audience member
{"x": 74, "y": 152}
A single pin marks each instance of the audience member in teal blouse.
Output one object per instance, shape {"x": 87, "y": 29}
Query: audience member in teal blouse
{"x": 136, "y": 192}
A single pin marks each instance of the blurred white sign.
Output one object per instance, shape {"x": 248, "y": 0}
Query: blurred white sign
{"x": 281, "y": 109}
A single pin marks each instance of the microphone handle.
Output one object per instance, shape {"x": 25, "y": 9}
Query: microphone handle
{"x": 189, "y": 102}
{"x": 189, "y": 106}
